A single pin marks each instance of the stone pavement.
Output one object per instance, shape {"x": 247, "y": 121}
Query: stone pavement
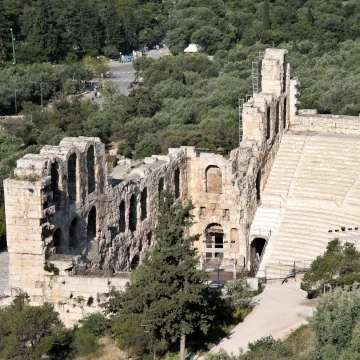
{"x": 4, "y": 271}
{"x": 280, "y": 310}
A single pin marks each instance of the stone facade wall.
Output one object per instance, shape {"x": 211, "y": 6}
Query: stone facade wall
{"x": 73, "y": 230}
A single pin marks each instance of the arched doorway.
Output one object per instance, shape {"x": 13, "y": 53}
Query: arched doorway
{"x": 256, "y": 249}
{"x": 90, "y": 157}
{"x": 133, "y": 213}
{"x": 135, "y": 262}
{"x": 214, "y": 235}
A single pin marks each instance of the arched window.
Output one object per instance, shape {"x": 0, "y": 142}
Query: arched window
{"x": 58, "y": 241}
{"x": 144, "y": 204}
{"x": 55, "y": 176}
{"x": 73, "y": 236}
{"x": 91, "y": 169}
{"x": 268, "y": 124}
{"x": 258, "y": 186}
{"x": 133, "y": 213}
{"x": 277, "y": 120}
{"x": 91, "y": 224}
{"x": 149, "y": 237}
{"x": 213, "y": 179}
{"x": 161, "y": 187}
{"x": 122, "y": 222}
{"x": 284, "y": 113}
{"x": 177, "y": 183}
{"x": 72, "y": 177}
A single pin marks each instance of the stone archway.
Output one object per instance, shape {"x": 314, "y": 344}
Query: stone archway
{"x": 257, "y": 247}
{"x": 214, "y": 235}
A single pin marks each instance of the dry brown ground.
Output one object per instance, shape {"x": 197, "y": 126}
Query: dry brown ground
{"x": 110, "y": 352}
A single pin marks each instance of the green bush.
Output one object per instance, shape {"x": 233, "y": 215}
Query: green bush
{"x": 85, "y": 343}
{"x": 96, "y": 324}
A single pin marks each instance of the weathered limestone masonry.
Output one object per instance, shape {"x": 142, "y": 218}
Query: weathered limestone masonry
{"x": 74, "y": 232}
{"x": 226, "y": 192}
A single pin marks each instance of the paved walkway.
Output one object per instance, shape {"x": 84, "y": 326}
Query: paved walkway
{"x": 4, "y": 271}
{"x": 280, "y": 310}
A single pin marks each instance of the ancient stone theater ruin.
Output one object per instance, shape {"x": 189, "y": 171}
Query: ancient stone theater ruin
{"x": 76, "y": 229}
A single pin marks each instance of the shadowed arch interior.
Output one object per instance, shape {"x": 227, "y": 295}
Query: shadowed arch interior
{"x": 213, "y": 179}
{"x": 90, "y": 157}
{"x": 91, "y": 224}
{"x": 72, "y": 177}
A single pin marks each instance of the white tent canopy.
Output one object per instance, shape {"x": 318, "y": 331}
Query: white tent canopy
{"x": 192, "y": 48}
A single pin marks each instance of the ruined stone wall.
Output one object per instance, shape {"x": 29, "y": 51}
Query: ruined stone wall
{"x": 308, "y": 120}
{"x": 73, "y": 230}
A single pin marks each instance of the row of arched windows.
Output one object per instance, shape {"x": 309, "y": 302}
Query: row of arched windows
{"x": 72, "y": 167}
{"x": 74, "y": 241}
{"x": 133, "y": 209}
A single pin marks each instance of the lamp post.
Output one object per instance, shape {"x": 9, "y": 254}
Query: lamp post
{"x": 41, "y": 94}
{"x": 15, "y": 102}
{"x": 13, "y": 45}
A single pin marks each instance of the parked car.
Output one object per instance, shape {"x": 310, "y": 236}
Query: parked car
{"x": 129, "y": 58}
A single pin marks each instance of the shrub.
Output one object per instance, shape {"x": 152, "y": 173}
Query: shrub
{"x": 85, "y": 343}
{"x": 96, "y": 324}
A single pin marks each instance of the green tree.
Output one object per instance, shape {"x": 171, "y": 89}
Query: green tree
{"x": 168, "y": 289}
{"x": 29, "y": 332}
{"x": 266, "y": 15}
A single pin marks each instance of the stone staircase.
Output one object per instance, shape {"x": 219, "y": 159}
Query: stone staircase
{"x": 316, "y": 181}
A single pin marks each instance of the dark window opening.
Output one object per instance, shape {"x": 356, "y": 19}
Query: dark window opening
{"x": 91, "y": 169}
{"x": 72, "y": 177}
{"x": 58, "y": 241}
{"x": 73, "y": 236}
{"x": 277, "y": 120}
{"x": 284, "y": 113}
{"x": 177, "y": 183}
{"x": 213, "y": 178}
{"x": 133, "y": 213}
{"x": 258, "y": 186}
{"x": 144, "y": 204}
{"x": 149, "y": 236}
{"x": 135, "y": 262}
{"x": 91, "y": 226}
{"x": 285, "y": 73}
{"x": 268, "y": 124}
{"x": 55, "y": 176}
{"x": 122, "y": 222}
{"x": 161, "y": 187}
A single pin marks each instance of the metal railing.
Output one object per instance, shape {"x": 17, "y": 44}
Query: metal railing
{"x": 283, "y": 271}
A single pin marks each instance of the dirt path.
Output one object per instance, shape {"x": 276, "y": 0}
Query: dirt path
{"x": 280, "y": 310}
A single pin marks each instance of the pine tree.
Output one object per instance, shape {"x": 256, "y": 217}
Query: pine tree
{"x": 266, "y": 15}
{"x": 310, "y": 17}
{"x": 168, "y": 289}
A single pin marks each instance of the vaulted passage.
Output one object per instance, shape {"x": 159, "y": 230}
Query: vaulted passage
{"x": 91, "y": 169}
{"x": 72, "y": 177}
{"x": 135, "y": 262}
{"x": 122, "y": 222}
{"x": 177, "y": 183}
{"x": 213, "y": 179}
{"x": 73, "y": 243}
{"x": 133, "y": 213}
{"x": 91, "y": 224}
{"x": 268, "y": 124}
{"x": 58, "y": 241}
{"x": 144, "y": 204}
{"x": 256, "y": 248}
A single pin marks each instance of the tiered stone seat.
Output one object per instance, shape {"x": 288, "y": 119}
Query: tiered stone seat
{"x": 318, "y": 178}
